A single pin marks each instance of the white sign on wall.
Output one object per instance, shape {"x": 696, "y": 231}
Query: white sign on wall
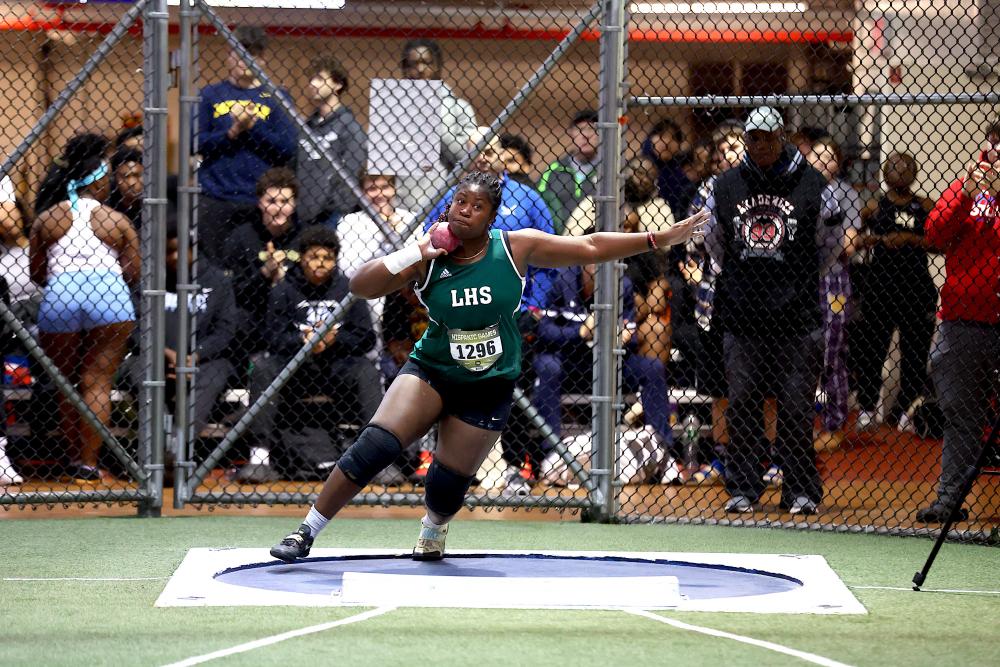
{"x": 404, "y": 126}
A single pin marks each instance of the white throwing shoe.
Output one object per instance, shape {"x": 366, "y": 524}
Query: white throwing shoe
{"x": 430, "y": 543}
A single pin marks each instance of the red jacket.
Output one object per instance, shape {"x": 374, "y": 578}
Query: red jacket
{"x": 967, "y": 231}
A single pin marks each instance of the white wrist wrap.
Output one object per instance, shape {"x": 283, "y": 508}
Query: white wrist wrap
{"x": 401, "y": 260}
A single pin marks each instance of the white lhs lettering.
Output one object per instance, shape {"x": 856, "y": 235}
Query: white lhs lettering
{"x": 471, "y": 296}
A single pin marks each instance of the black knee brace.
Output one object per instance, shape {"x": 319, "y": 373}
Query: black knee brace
{"x": 370, "y": 454}
{"x": 444, "y": 490}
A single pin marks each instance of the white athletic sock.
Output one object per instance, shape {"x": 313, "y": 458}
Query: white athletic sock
{"x": 315, "y": 521}
{"x": 430, "y": 523}
{"x": 260, "y": 456}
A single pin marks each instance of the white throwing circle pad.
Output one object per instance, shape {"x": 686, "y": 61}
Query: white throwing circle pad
{"x": 413, "y": 590}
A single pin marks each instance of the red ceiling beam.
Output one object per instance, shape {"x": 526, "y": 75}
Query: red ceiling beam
{"x": 677, "y": 36}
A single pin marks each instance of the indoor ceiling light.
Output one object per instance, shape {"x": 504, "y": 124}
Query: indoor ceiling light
{"x": 716, "y": 7}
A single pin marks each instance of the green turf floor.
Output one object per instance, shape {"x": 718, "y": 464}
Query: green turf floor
{"x": 115, "y": 623}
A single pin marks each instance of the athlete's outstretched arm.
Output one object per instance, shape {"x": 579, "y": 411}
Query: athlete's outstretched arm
{"x": 549, "y": 251}
{"x": 385, "y": 275}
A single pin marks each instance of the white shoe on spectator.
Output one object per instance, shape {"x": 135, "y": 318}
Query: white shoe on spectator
{"x": 774, "y": 476}
{"x": 673, "y": 473}
{"x": 8, "y": 475}
{"x": 517, "y": 486}
{"x": 866, "y": 421}
{"x": 905, "y": 424}
{"x": 802, "y": 505}
{"x": 739, "y": 505}
{"x": 547, "y": 469}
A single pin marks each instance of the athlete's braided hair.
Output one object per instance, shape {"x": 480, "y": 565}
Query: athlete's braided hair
{"x": 481, "y": 179}
{"x": 488, "y": 182}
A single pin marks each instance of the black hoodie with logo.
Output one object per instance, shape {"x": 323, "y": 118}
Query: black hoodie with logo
{"x": 771, "y": 235}
{"x": 295, "y": 304}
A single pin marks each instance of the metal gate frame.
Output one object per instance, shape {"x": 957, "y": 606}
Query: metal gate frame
{"x": 598, "y": 504}
{"x": 147, "y": 471}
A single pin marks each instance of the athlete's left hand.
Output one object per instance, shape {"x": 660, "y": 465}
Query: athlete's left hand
{"x": 684, "y": 230}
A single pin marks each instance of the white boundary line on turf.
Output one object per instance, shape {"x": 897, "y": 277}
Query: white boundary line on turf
{"x": 924, "y": 590}
{"x": 274, "y": 639}
{"x": 771, "y": 646}
{"x": 85, "y": 578}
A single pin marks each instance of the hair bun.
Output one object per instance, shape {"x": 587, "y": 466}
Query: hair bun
{"x": 82, "y": 152}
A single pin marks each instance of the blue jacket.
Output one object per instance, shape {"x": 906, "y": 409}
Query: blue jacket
{"x": 566, "y": 311}
{"x": 521, "y": 207}
{"x": 230, "y": 168}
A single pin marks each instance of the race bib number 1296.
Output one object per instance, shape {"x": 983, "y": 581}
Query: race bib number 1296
{"x": 477, "y": 350}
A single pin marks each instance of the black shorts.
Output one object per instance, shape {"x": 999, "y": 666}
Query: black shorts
{"x": 484, "y": 404}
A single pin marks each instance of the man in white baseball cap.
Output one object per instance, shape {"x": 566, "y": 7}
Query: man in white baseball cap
{"x": 774, "y": 227}
{"x": 764, "y": 119}
{"x": 765, "y": 135}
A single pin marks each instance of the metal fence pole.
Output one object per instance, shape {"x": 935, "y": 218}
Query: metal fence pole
{"x": 96, "y": 58}
{"x": 606, "y": 298}
{"x": 186, "y": 283}
{"x": 241, "y": 425}
{"x": 155, "y": 72}
{"x": 23, "y": 498}
{"x": 397, "y": 498}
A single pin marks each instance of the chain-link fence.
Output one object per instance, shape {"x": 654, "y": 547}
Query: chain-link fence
{"x": 72, "y": 263}
{"x": 833, "y": 161}
{"x": 774, "y": 373}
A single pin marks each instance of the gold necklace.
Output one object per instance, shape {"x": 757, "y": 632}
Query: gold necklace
{"x": 481, "y": 251}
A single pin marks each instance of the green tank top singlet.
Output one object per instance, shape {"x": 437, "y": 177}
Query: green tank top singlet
{"x": 473, "y": 309}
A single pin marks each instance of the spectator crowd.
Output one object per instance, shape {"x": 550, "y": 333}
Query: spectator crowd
{"x": 795, "y": 292}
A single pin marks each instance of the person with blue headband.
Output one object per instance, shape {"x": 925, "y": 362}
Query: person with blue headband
{"x": 85, "y": 255}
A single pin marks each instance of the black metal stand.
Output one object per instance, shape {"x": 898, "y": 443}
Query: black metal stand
{"x": 953, "y": 515}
